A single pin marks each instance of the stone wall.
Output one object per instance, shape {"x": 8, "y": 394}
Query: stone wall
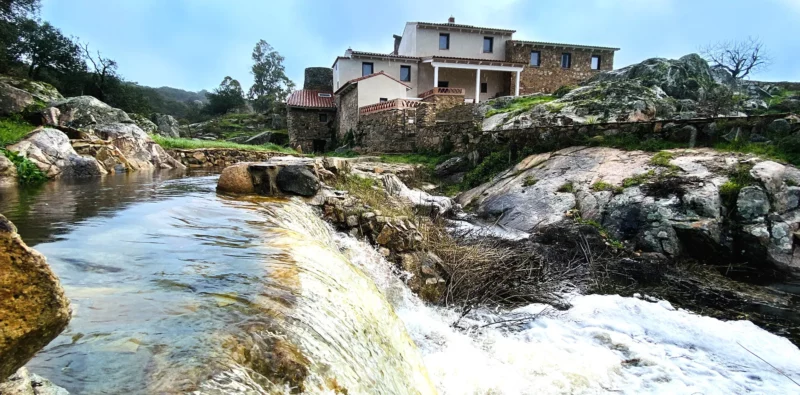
{"x": 219, "y": 157}
{"x": 388, "y": 131}
{"x": 444, "y": 101}
{"x": 467, "y": 136}
{"x": 549, "y": 75}
{"x": 347, "y": 116}
{"x": 308, "y": 132}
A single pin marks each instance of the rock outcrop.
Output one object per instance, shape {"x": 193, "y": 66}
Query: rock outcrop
{"x": 297, "y": 180}
{"x": 50, "y": 150}
{"x": 279, "y": 176}
{"x": 685, "y": 78}
{"x": 167, "y": 125}
{"x": 8, "y": 171}
{"x": 41, "y": 91}
{"x": 13, "y": 100}
{"x": 33, "y": 307}
{"x": 25, "y": 383}
{"x": 86, "y": 111}
{"x": 138, "y": 148}
{"x": 703, "y": 203}
{"x": 143, "y": 123}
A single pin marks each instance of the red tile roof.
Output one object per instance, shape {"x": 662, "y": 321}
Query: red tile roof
{"x": 355, "y": 80}
{"x": 310, "y": 99}
{"x": 362, "y": 53}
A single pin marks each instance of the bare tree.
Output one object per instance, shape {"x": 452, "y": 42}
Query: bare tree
{"x": 740, "y": 58}
{"x": 104, "y": 69}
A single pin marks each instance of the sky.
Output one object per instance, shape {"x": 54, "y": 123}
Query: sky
{"x": 194, "y": 44}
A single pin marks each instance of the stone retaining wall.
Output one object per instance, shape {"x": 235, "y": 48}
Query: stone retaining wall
{"x": 220, "y": 157}
{"x": 466, "y": 136}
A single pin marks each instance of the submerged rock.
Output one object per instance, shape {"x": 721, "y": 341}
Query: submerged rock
{"x": 50, "y": 150}
{"x": 33, "y": 307}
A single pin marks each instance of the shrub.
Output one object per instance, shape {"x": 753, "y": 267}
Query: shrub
{"x": 738, "y": 178}
{"x": 529, "y": 181}
{"x": 27, "y": 172}
{"x": 567, "y": 187}
{"x": 492, "y": 165}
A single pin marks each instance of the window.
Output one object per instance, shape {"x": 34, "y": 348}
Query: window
{"x": 383, "y": 100}
{"x": 366, "y": 68}
{"x": 488, "y": 44}
{"x": 444, "y": 41}
{"x": 323, "y": 117}
{"x": 566, "y": 60}
{"x": 595, "y": 62}
{"x": 405, "y": 73}
{"x": 536, "y": 58}
{"x": 443, "y": 84}
{"x": 484, "y": 87}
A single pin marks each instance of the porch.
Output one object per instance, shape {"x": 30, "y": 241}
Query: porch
{"x": 480, "y": 79}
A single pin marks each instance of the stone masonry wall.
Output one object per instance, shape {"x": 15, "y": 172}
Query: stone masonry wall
{"x": 219, "y": 157}
{"x": 444, "y": 102}
{"x": 467, "y": 136}
{"x": 305, "y": 127}
{"x": 550, "y": 76}
{"x": 347, "y": 116}
{"x": 388, "y": 131}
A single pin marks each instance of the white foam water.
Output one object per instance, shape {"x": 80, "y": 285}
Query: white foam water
{"x": 603, "y": 344}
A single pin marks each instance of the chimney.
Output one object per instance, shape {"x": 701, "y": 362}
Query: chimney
{"x": 451, "y": 20}
{"x": 396, "y": 43}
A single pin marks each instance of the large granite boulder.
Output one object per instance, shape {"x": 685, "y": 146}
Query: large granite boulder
{"x": 50, "y": 150}
{"x": 167, "y": 125}
{"x": 25, "y": 383}
{"x": 143, "y": 123}
{"x": 139, "y": 149}
{"x": 297, "y": 180}
{"x": 8, "y": 171}
{"x": 41, "y": 91}
{"x": 87, "y": 111}
{"x": 676, "y": 204}
{"x": 236, "y": 179}
{"x": 685, "y": 78}
{"x": 13, "y": 100}
{"x": 33, "y": 307}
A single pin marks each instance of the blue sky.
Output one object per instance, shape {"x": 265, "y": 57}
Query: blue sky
{"x": 194, "y": 44}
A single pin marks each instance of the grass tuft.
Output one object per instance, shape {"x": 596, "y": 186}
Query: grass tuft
{"x": 181, "y": 143}
{"x": 604, "y": 186}
{"x": 529, "y": 181}
{"x": 521, "y": 104}
{"x": 568, "y": 187}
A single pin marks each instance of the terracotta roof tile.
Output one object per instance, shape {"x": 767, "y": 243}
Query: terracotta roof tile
{"x": 307, "y": 98}
{"x": 355, "y": 80}
{"x": 362, "y": 53}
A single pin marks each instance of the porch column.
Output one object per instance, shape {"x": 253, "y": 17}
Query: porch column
{"x": 517, "y": 91}
{"x": 435, "y": 76}
{"x": 477, "y": 85}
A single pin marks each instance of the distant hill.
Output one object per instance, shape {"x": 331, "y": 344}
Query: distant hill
{"x": 182, "y": 95}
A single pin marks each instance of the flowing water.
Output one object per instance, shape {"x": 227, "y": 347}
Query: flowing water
{"x": 177, "y": 289}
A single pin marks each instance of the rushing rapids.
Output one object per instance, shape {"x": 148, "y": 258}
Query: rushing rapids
{"x": 178, "y": 289}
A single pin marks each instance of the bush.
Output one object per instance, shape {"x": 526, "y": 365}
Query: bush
{"x": 27, "y": 172}
{"x": 562, "y": 91}
{"x": 493, "y": 164}
{"x": 662, "y": 159}
{"x": 638, "y": 179}
{"x": 738, "y": 178}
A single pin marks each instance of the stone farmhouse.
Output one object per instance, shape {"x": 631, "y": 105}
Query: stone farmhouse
{"x": 444, "y": 64}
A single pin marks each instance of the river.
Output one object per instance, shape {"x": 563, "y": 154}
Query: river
{"x": 178, "y": 289}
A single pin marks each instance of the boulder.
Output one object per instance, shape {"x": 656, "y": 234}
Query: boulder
{"x": 33, "y": 307}
{"x": 143, "y": 123}
{"x": 673, "y": 211}
{"x": 297, "y": 180}
{"x": 779, "y": 128}
{"x": 50, "y": 150}
{"x": 85, "y": 111}
{"x": 168, "y": 126}
{"x": 139, "y": 149}
{"x": 41, "y": 91}
{"x": 685, "y": 78}
{"x": 24, "y": 383}
{"x": 451, "y": 166}
{"x": 236, "y": 179}
{"x": 8, "y": 171}
{"x": 13, "y": 100}
{"x": 421, "y": 200}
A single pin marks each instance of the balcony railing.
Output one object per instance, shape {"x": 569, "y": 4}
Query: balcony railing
{"x": 442, "y": 91}
{"x": 389, "y": 105}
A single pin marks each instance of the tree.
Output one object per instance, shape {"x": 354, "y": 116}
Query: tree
{"x": 12, "y": 13}
{"x": 271, "y": 86}
{"x": 226, "y": 97}
{"x": 10, "y": 10}
{"x": 740, "y": 58}
{"x": 42, "y": 46}
{"x": 104, "y": 72}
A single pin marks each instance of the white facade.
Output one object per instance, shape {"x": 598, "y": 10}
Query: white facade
{"x": 372, "y": 90}
{"x": 349, "y": 68}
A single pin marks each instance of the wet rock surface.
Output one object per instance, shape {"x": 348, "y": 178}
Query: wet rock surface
{"x": 50, "y": 150}
{"x": 8, "y": 171}
{"x": 32, "y": 302}
{"x": 25, "y": 383}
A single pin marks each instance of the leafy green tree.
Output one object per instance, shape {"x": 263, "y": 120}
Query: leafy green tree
{"x": 12, "y": 9}
{"x": 44, "y": 47}
{"x": 271, "y": 86}
{"x": 12, "y": 13}
{"x": 228, "y": 96}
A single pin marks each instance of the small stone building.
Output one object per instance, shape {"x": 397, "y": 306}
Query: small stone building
{"x": 311, "y": 112}
{"x": 310, "y": 119}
